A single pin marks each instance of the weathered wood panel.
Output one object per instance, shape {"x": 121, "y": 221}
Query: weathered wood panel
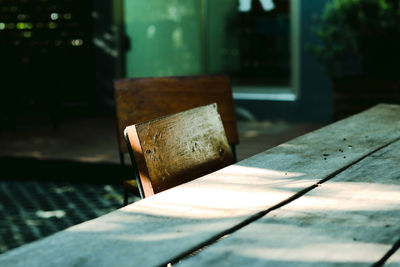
{"x": 394, "y": 260}
{"x": 354, "y": 219}
{"x": 161, "y": 227}
{"x": 143, "y": 99}
{"x": 178, "y": 148}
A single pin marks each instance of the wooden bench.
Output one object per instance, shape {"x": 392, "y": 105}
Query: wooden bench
{"x": 139, "y": 100}
{"x": 329, "y": 197}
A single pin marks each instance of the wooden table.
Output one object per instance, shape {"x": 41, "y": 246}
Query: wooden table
{"x": 328, "y": 197}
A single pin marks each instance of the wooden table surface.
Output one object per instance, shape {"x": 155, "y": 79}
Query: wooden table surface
{"x": 326, "y": 198}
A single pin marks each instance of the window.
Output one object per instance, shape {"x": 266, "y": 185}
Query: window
{"x": 251, "y": 40}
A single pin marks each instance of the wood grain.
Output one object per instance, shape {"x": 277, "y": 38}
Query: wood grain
{"x": 354, "y": 218}
{"x": 166, "y": 225}
{"x": 143, "y": 99}
{"x": 178, "y": 148}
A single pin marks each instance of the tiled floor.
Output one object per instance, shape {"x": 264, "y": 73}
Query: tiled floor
{"x": 55, "y": 178}
{"x": 30, "y": 210}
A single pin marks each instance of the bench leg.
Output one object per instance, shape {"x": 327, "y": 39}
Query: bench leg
{"x": 126, "y": 197}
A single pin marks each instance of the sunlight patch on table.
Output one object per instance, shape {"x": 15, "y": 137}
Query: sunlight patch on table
{"x": 329, "y": 252}
{"x": 340, "y": 196}
{"x": 244, "y": 190}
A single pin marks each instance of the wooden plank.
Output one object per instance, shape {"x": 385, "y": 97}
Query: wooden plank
{"x": 168, "y": 224}
{"x": 178, "y": 148}
{"x": 394, "y": 260}
{"x": 354, "y": 219}
{"x": 143, "y": 99}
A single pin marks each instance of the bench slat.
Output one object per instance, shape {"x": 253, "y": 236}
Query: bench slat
{"x": 352, "y": 218}
{"x": 394, "y": 260}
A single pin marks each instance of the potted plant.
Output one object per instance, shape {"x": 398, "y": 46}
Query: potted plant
{"x": 359, "y": 45}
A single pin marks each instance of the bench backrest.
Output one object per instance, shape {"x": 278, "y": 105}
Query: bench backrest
{"x": 175, "y": 149}
{"x": 144, "y": 99}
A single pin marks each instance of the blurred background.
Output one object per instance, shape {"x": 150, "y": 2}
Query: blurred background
{"x": 295, "y": 65}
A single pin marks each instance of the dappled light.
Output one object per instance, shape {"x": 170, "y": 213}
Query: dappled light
{"x": 49, "y": 214}
{"x": 303, "y": 202}
{"x": 322, "y": 215}
{"x": 328, "y": 200}
{"x": 252, "y": 175}
{"x": 95, "y": 158}
{"x": 232, "y": 191}
{"x": 353, "y": 218}
{"x": 325, "y": 247}
{"x": 337, "y": 223}
{"x": 394, "y": 260}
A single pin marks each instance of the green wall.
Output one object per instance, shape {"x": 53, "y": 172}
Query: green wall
{"x": 165, "y": 37}
{"x": 181, "y": 37}
{"x": 223, "y": 36}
